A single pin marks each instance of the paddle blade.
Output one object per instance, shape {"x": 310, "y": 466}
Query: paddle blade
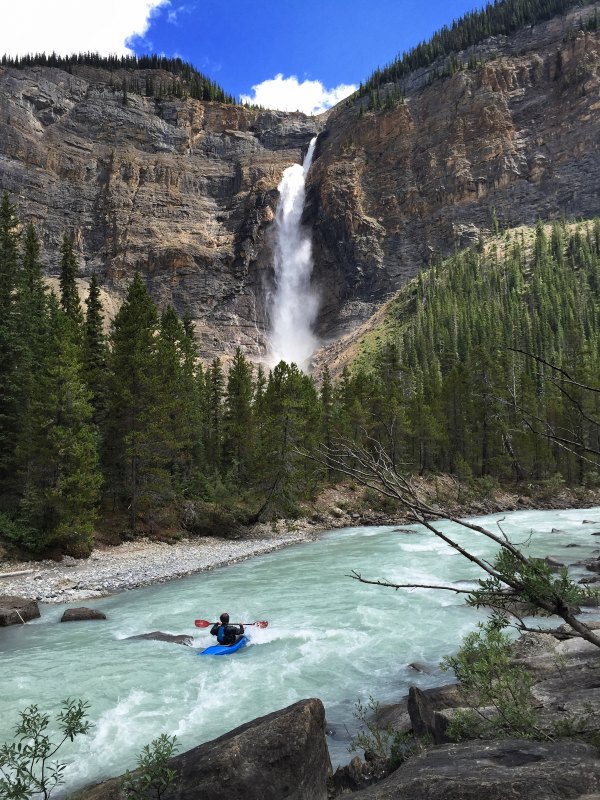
{"x": 202, "y": 623}
{"x": 262, "y": 623}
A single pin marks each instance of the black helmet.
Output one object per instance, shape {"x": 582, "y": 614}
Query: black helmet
{"x": 224, "y": 618}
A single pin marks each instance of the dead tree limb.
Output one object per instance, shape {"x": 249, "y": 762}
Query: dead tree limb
{"x": 525, "y": 581}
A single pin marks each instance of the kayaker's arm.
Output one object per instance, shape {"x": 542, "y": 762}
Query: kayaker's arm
{"x": 215, "y": 629}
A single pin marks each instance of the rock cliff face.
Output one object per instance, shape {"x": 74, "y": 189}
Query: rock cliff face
{"x": 181, "y": 190}
{"x": 392, "y": 189}
{"x": 185, "y": 191}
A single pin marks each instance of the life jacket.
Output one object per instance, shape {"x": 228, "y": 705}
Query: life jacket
{"x": 221, "y": 634}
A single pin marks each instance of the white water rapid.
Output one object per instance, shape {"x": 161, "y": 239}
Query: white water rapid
{"x": 294, "y": 303}
{"x": 328, "y": 637}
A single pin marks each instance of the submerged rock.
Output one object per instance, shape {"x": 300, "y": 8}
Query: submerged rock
{"x": 17, "y": 610}
{"x": 424, "y": 668}
{"x": 159, "y": 636}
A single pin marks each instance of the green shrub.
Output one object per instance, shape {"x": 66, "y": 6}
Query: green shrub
{"x": 383, "y": 743}
{"x": 26, "y": 768}
{"x": 16, "y": 532}
{"x": 153, "y": 775}
{"x": 489, "y": 680}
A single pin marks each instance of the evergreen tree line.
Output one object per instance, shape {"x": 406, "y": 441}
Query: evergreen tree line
{"x": 186, "y": 82}
{"x": 129, "y": 432}
{"x": 445, "y": 388}
{"x": 501, "y": 17}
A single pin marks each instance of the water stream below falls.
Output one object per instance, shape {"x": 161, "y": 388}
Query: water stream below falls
{"x": 328, "y": 637}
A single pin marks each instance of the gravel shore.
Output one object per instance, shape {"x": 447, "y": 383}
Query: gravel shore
{"x": 131, "y": 565}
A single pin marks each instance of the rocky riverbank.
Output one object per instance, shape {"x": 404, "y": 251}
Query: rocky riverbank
{"x": 145, "y": 561}
{"x": 131, "y": 565}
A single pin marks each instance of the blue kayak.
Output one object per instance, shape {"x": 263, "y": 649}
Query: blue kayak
{"x": 223, "y": 649}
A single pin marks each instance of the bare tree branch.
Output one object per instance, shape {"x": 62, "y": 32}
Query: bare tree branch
{"x": 553, "y": 367}
{"x": 358, "y": 577}
{"x": 373, "y": 468}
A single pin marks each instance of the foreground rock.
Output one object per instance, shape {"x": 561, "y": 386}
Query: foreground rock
{"x": 81, "y": 614}
{"x": 159, "y": 636}
{"x": 281, "y": 755}
{"x": 17, "y": 610}
{"x": 497, "y": 770}
{"x": 566, "y": 694}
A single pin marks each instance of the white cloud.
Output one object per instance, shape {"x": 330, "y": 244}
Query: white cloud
{"x": 74, "y": 26}
{"x": 287, "y": 94}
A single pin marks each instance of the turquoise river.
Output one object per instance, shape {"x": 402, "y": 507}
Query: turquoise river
{"x": 328, "y": 637}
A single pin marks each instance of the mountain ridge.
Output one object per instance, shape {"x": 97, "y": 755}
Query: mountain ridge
{"x": 185, "y": 191}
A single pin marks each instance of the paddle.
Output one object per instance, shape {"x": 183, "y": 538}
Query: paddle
{"x": 204, "y": 623}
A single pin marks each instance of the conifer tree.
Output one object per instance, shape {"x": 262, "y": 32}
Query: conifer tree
{"x": 94, "y": 351}
{"x": 292, "y": 413}
{"x": 326, "y": 398}
{"x": 213, "y": 437}
{"x": 238, "y": 434}
{"x": 69, "y": 296}
{"x": 33, "y": 321}
{"x": 11, "y": 349}
{"x": 131, "y": 404}
{"x": 62, "y": 474}
{"x": 173, "y": 426}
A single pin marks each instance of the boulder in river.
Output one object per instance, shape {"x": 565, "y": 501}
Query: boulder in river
{"x": 357, "y": 775}
{"x": 281, "y": 755}
{"x": 554, "y": 563}
{"x": 17, "y": 610}
{"x": 159, "y": 636}
{"x": 424, "y": 668}
{"x": 80, "y": 614}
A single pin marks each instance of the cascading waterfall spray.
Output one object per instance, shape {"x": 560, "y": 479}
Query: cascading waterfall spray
{"x": 294, "y": 303}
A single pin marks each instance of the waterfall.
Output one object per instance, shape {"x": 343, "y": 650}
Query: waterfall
{"x": 294, "y": 303}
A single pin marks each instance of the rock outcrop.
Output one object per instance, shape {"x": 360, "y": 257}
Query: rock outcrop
{"x": 17, "y": 610}
{"x": 392, "y": 190}
{"x": 497, "y": 770}
{"x": 282, "y": 756}
{"x": 566, "y": 693}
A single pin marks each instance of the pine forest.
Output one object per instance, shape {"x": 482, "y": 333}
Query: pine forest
{"x": 127, "y": 431}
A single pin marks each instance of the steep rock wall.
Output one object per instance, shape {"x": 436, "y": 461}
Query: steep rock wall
{"x": 180, "y": 190}
{"x": 393, "y": 189}
{"x": 185, "y": 191}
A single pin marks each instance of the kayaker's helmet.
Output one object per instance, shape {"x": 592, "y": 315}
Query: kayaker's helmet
{"x": 224, "y": 618}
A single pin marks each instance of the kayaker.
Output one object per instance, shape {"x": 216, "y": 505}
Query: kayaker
{"x": 227, "y": 634}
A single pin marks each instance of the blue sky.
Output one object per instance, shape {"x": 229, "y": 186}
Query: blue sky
{"x": 241, "y": 43}
{"x": 321, "y": 49}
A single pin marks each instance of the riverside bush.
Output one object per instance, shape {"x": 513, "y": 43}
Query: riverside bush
{"x": 488, "y": 680}
{"x": 382, "y": 743}
{"x": 26, "y": 768}
{"x": 16, "y": 532}
{"x": 153, "y": 775}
